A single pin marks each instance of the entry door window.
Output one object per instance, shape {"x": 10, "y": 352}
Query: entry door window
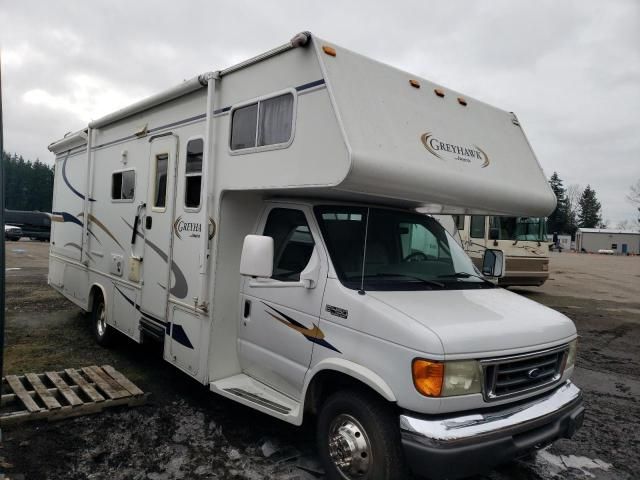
{"x": 160, "y": 190}
{"x": 292, "y": 243}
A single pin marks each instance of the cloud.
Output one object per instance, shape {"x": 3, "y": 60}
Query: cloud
{"x": 570, "y": 70}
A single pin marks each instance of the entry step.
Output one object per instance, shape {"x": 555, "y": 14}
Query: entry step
{"x": 255, "y": 394}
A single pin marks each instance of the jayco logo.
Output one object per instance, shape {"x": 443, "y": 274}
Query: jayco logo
{"x": 443, "y": 150}
{"x": 181, "y": 227}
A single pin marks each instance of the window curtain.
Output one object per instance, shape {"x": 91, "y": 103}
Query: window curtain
{"x": 276, "y": 116}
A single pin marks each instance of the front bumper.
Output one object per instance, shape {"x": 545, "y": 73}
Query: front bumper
{"x": 454, "y": 447}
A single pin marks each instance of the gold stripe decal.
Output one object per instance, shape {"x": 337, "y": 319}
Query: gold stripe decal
{"x": 314, "y": 334}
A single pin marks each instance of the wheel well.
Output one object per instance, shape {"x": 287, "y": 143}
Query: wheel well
{"x": 95, "y": 292}
{"x": 327, "y": 382}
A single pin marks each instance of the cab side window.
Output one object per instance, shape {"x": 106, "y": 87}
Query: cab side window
{"x": 477, "y": 226}
{"x": 292, "y": 243}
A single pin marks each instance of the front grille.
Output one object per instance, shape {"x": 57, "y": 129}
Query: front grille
{"x": 509, "y": 376}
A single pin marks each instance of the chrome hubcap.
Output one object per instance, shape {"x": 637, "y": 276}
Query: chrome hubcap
{"x": 102, "y": 320}
{"x": 349, "y": 447}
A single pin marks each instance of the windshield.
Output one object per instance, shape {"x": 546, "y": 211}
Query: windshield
{"x": 518, "y": 229}
{"x": 401, "y": 250}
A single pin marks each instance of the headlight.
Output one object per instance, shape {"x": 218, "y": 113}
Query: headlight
{"x": 571, "y": 355}
{"x": 446, "y": 379}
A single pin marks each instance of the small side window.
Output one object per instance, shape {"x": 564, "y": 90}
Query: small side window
{"x": 267, "y": 122}
{"x": 123, "y": 185}
{"x": 477, "y": 226}
{"x": 193, "y": 173}
{"x": 160, "y": 190}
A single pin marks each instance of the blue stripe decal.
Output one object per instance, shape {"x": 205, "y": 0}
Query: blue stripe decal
{"x": 180, "y": 336}
{"x": 177, "y": 332}
{"x": 310, "y": 85}
{"x": 66, "y": 180}
{"x": 67, "y": 217}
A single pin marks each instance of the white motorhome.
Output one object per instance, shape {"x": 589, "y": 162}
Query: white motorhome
{"x": 523, "y": 241}
{"x": 261, "y": 222}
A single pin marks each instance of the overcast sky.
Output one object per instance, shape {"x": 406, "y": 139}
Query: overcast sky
{"x": 569, "y": 69}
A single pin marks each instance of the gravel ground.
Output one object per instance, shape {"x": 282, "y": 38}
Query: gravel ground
{"x": 186, "y": 432}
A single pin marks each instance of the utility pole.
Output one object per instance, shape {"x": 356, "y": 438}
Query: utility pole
{"x": 2, "y": 264}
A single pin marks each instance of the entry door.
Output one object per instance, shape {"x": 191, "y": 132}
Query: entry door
{"x": 157, "y": 225}
{"x": 279, "y": 323}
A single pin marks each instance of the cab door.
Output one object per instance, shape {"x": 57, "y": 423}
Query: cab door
{"x": 278, "y": 324}
{"x": 157, "y": 226}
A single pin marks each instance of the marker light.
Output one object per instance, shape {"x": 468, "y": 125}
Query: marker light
{"x": 427, "y": 377}
{"x": 462, "y": 101}
{"x": 571, "y": 355}
{"x": 439, "y": 92}
{"x": 414, "y": 83}
{"x": 329, "y": 50}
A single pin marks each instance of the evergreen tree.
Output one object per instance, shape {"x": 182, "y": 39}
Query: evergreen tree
{"x": 590, "y": 209}
{"x": 558, "y": 221}
{"x": 28, "y": 185}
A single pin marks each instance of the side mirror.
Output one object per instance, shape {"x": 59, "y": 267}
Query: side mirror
{"x": 493, "y": 263}
{"x": 257, "y": 256}
{"x": 494, "y": 233}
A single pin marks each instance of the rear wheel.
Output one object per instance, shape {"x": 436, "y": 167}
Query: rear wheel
{"x": 101, "y": 330}
{"x": 359, "y": 438}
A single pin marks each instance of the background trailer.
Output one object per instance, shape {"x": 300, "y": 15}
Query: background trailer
{"x": 621, "y": 242}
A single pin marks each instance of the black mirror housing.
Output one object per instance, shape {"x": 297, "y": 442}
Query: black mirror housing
{"x": 493, "y": 263}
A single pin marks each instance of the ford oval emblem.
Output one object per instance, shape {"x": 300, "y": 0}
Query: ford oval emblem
{"x": 533, "y": 373}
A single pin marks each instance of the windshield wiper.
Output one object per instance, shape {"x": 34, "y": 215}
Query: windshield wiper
{"x": 421, "y": 280}
{"x": 466, "y": 275}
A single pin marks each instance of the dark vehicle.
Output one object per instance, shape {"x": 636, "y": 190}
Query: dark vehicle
{"x": 34, "y": 225}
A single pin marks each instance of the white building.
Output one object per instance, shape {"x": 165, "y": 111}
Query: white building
{"x": 619, "y": 241}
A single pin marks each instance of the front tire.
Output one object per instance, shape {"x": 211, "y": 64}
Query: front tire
{"x": 102, "y": 332}
{"x": 359, "y": 438}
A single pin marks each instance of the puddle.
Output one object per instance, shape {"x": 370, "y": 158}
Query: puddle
{"x": 12, "y": 269}
{"x": 560, "y": 463}
{"x": 18, "y": 250}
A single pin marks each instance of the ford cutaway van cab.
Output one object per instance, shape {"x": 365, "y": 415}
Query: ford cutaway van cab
{"x": 262, "y": 223}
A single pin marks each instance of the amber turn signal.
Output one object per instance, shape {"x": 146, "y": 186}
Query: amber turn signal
{"x": 329, "y": 51}
{"x": 427, "y": 377}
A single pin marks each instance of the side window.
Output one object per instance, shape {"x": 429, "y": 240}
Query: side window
{"x": 160, "y": 190}
{"x": 292, "y": 243}
{"x": 123, "y": 185}
{"x": 243, "y": 127}
{"x": 267, "y": 122}
{"x": 477, "y": 226}
{"x": 459, "y": 221}
{"x": 193, "y": 173}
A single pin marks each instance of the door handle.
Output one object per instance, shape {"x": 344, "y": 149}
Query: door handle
{"x": 148, "y": 222}
{"x": 247, "y": 309}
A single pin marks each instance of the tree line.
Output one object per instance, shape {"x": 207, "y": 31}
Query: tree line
{"x": 579, "y": 207}
{"x": 28, "y": 185}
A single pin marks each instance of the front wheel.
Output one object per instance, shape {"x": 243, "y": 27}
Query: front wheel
{"x": 359, "y": 438}
{"x": 102, "y": 332}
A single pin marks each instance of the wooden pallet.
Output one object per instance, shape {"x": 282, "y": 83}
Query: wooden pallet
{"x": 69, "y": 393}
